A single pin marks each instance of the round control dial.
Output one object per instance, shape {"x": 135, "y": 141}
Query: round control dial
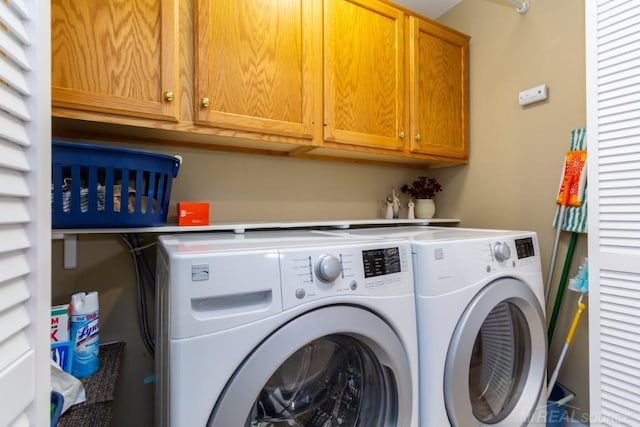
{"x": 501, "y": 251}
{"x": 328, "y": 268}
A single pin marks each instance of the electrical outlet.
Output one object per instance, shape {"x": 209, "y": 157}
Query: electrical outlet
{"x": 535, "y": 94}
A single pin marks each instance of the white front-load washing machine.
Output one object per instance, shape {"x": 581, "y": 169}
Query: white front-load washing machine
{"x": 285, "y": 329}
{"x": 481, "y": 326}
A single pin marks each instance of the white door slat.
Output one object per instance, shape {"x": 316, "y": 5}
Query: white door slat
{"x": 12, "y": 130}
{"x": 13, "y": 266}
{"x": 13, "y": 76}
{"x": 619, "y": 382}
{"x": 628, "y": 45}
{"x": 13, "y": 211}
{"x": 624, "y": 99}
{"x": 631, "y": 126}
{"x": 13, "y": 184}
{"x": 622, "y": 116}
{"x": 622, "y": 183}
{"x": 13, "y": 157}
{"x": 618, "y": 88}
{"x": 616, "y": 80}
{"x": 13, "y": 237}
{"x": 611, "y": 347}
{"x": 626, "y": 337}
{"x": 13, "y": 321}
{"x": 612, "y": 13}
{"x": 612, "y": 69}
{"x": 618, "y": 150}
{"x": 620, "y": 134}
{"x": 14, "y": 24}
{"x": 620, "y": 226}
{"x": 612, "y": 177}
{"x": 13, "y": 293}
{"x": 13, "y": 103}
{"x": 617, "y": 163}
{"x": 620, "y": 56}
{"x": 621, "y": 234}
{"x": 617, "y": 410}
{"x": 14, "y": 50}
{"x": 617, "y": 32}
{"x": 20, "y": 8}
{"x": 608, "y": 142}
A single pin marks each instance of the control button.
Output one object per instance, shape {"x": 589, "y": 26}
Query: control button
{"x": 353, "y": 285}
{"x": 300, "y": 293}
{"x": 328, "y": 268}
{"x": 501, "y": 251}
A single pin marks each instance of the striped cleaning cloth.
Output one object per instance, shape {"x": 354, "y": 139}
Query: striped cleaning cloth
{"x": 575, "y": 219}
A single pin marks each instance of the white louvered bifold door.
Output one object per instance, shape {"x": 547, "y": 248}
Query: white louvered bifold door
{"x": 25, "y": 246}
{"x": 613, "y": 133}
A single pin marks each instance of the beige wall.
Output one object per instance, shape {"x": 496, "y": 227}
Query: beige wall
{"x": 511, "y": 181}
{"x": 517, "y": 153}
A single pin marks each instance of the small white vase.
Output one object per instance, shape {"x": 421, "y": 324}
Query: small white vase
{"x": 425, "y": 208}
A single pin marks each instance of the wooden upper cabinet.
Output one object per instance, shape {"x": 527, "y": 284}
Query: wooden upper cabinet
{"x": 257, "y": 65}
{"x": 439, "y": 90}
{"x": 364, "y": 74}
{"x": 116, "y": 56}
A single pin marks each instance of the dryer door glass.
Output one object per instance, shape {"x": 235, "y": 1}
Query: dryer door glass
{"x": 498, "y": 360}
{"x": 333, "y": 380}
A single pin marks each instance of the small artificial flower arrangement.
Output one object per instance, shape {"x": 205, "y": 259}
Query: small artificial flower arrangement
{"x": 422, "y": 188}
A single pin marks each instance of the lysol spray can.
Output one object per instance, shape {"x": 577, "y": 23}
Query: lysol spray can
{"x": 84, "y": 333}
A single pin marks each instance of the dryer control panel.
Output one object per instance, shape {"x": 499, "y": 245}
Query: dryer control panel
{"x": 377, "y": 269}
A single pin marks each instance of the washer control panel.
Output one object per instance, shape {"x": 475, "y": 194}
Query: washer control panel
{"x": 374, "y": 269}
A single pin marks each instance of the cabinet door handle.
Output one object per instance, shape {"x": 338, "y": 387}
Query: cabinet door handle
{"x": 401, "y": 135}
{"x": 418, "y": 138}
{"x": 168, "y": 96}
{"x": 205, "y": 102}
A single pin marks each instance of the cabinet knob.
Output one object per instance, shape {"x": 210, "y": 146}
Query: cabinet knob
{"x": 205, "y": 102}
{"x": 418, "y": 138}
{"x": 401, "y": 135}
{"x": 168, "y": 96}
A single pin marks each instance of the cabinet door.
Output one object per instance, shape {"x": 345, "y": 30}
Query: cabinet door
{"x": 115, "y": 56}
{"x": 439, "y": 90}
{"x": 254, "y": 63}
{"x": 364, "y": 73}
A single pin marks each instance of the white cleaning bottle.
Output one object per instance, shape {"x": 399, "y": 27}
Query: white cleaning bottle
{"x": 84, "y": 333}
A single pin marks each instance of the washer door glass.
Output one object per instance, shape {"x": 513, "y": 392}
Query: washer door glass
{"x": 331, "y": 381}
{"x": 334, "y": 366}
{"x": 496, "y": 362}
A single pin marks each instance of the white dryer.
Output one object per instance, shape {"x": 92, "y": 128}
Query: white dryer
{"x": 481, "y": 326}
{"x": 285, "y": 329}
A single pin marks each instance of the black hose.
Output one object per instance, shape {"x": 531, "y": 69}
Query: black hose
{"x": 141, "y": 303}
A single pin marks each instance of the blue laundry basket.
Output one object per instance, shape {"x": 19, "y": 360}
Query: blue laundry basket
{"x": 95, "y": 186}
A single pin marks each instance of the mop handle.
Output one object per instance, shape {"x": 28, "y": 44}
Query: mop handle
{"x": 565, "y": 347}
{"x": 576, "y": 320}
